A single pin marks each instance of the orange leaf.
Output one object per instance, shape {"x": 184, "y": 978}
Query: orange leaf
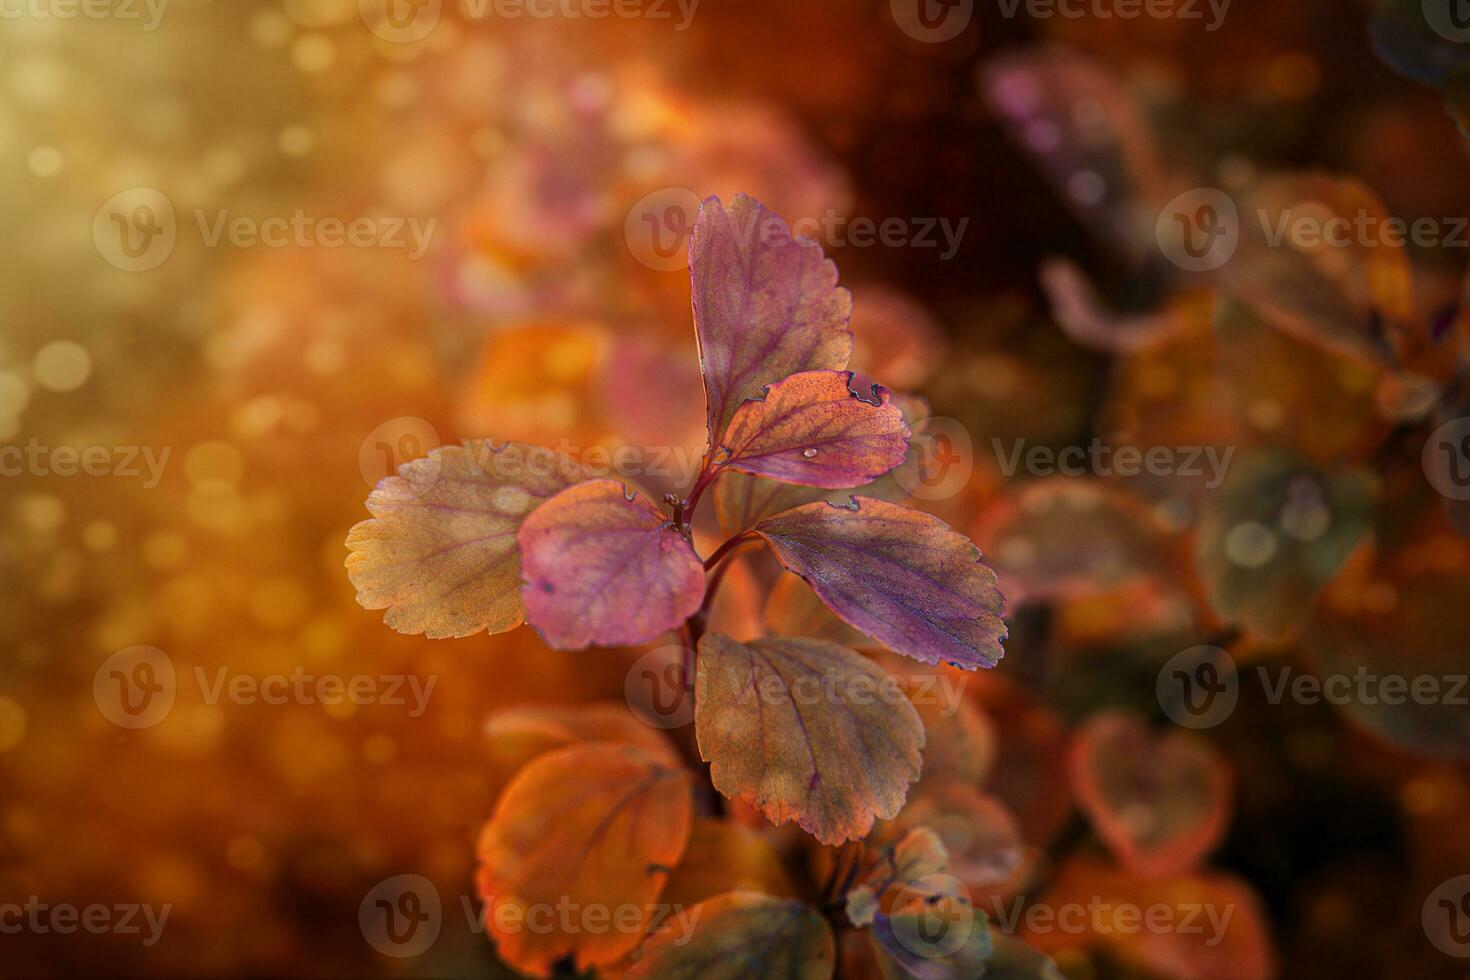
{"x": 812, "y": 429}
{"x": 596, "y": 826}
{"x": 440, "y": 553}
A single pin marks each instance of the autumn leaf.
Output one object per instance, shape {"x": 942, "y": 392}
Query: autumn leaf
{"x": 1160, "y": 802}
{"x": 931, "y": 931}
{"x": 604, "y": 567}
{"x": 721, "y": 857}
{"x": 742, "y": 500}
{"x": 793, "y": 609}
{"x": 917, "y": 854}
{"x": 766, "y": 305}
{"x": 739, "y": 935}
{"x": 1275, "y": 533}
{"x": 805, "y": 730}
{"x": 440, "y": 553}
{"x": 596, "y": 824}
{"x": 1011, "y": 959}
{"x": 812, "y": 429}
{"x": 1227, "y": 937}
{"x": 516, "y": 735}
{"x": 981, "y": 837}
{"x": 900, "y": 576}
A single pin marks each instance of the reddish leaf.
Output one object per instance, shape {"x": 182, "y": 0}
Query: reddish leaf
{"x": 1215, "y": 928}
{"x": 1161, "y": 803}
{"x": 603, "y": 567}
{"x": 812, "y": 429}
{"x": 440, "y": 553}
{"x": 807, "y": 731}
{"x": 766, "y": 305}
{"x": 742, "y": 501}
{"x": 739, "y": 935}
{"x": 902, "y": 577}
{"x": 597, "y": 825}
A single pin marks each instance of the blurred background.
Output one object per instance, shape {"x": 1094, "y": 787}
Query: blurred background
{"x": 260, "y": 253}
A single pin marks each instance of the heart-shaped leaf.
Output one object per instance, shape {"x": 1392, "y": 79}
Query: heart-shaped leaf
{"x": 604, "y": 567}
{"x": 806, "y": 731}
{"x": 739, "y": 935}
{"x": 1161, "y": 803}
{"x": 598, "y": 825}
{"x": 901, "y": 576}
{"x": 766, "y": 305}
{"x": 1204, "y": 926}
{"x": 812, "y": 429}
{"x": 440, "y": 553}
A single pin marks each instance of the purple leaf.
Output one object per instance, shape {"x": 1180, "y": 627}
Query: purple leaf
{"x": 766, "y": 305}
{"x": 601, "y": 567}
{"x": 903, "y": 577}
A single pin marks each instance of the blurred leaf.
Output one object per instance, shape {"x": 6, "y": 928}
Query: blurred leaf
{"x": 603, "y": 567}
{"x": 739, "y": 935}
{"x": 1216, "y": 928}
{"x": 440, "y": 553}
{"x": 722, "y": 857}
{"x": 902, "y": 577}
{"x": 917, "y": 854}
{"x": 807, "y": 731}
{"x": 518, "y": 734}
{"x": 1344, "y": 296}
{"x": 793, "y": 609}
{"x": 766, "y": 305}
{"x": 595, "y": 824}
{"x": 1161, "y": 802}
{"x": 1274, "y": 534}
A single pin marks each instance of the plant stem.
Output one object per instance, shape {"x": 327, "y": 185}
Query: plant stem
{"x": 707, "y": 475}
{"x": 723, "y": 550}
